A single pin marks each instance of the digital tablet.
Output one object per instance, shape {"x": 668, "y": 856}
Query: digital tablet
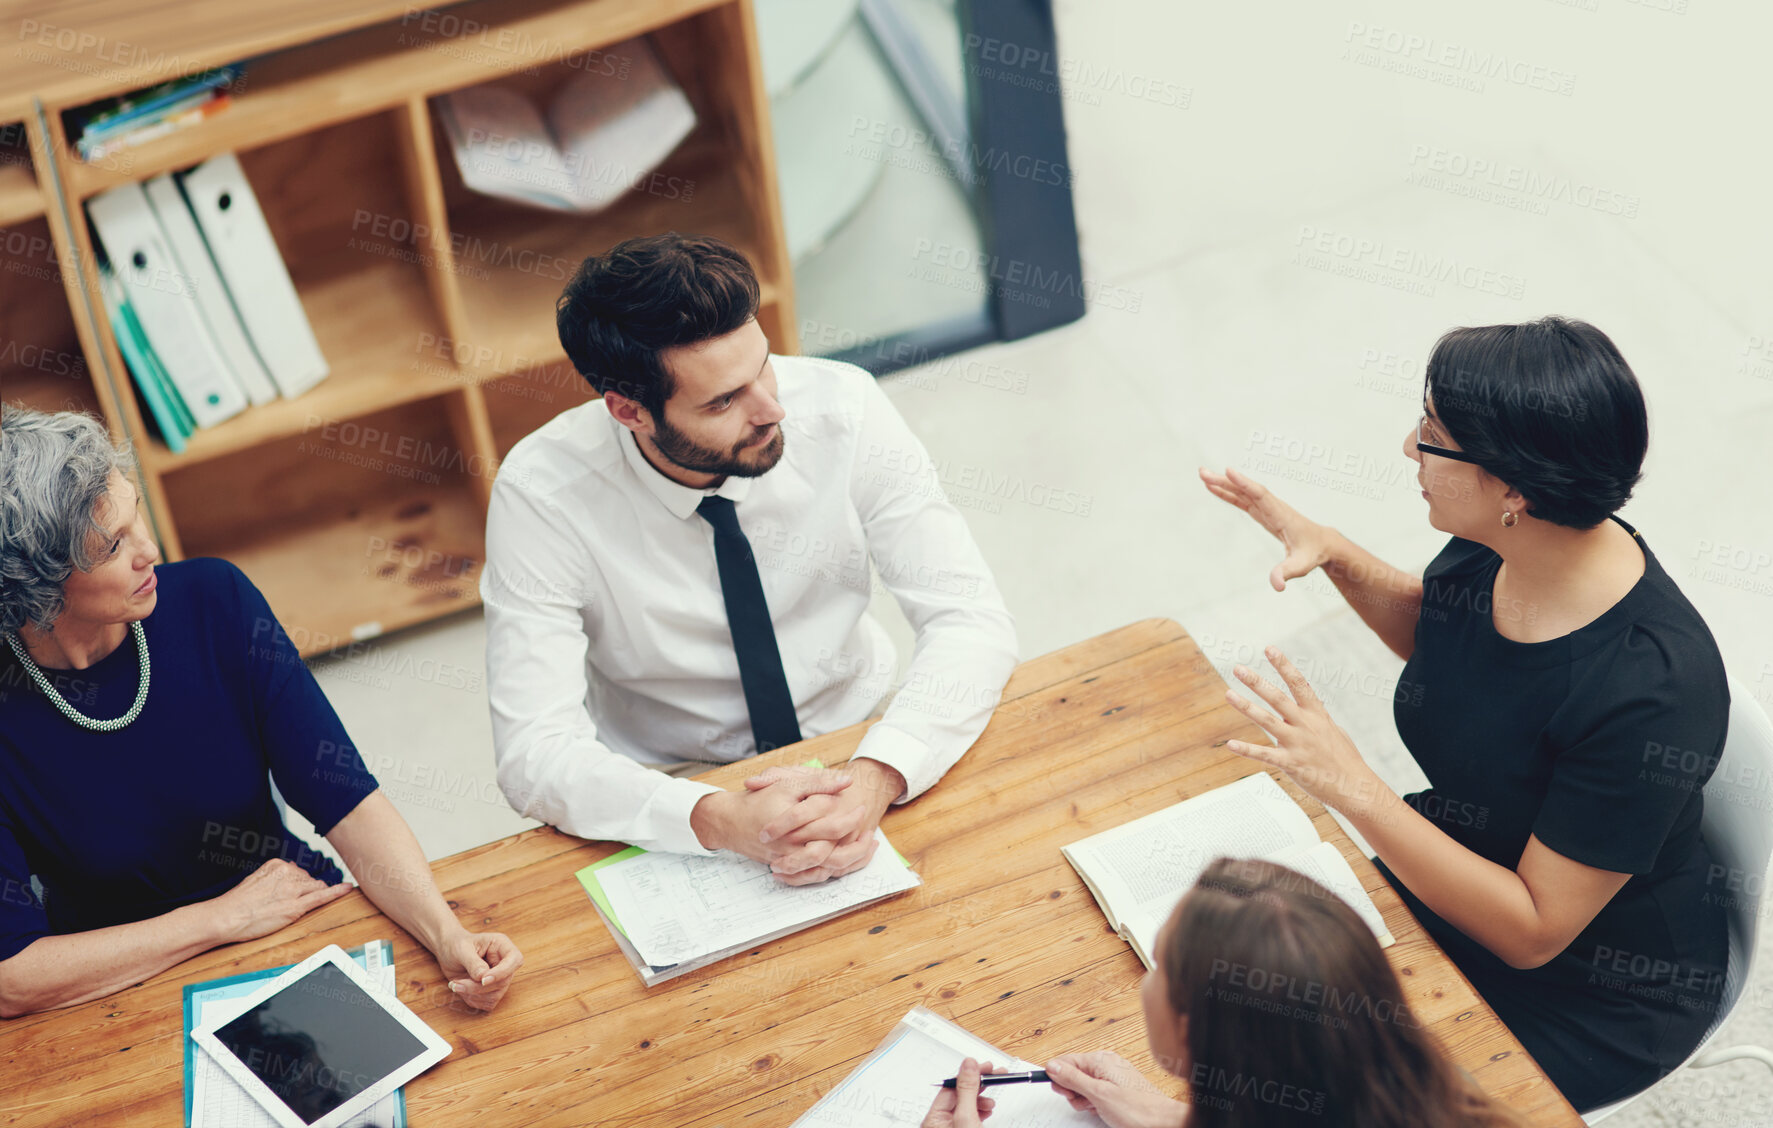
{"x": 321, "y": 1043}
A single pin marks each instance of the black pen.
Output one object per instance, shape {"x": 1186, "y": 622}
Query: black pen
{"x": 1002, "y": 1078}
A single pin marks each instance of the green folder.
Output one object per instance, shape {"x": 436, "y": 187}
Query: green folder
{"x": 164, "y": 404}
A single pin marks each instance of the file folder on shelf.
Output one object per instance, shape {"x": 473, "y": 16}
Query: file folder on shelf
{"x": 165, "y": 302}
{"x": 240, "y": 242}
{"x": 213, "y": 303}
{"x": 168, "y": 412}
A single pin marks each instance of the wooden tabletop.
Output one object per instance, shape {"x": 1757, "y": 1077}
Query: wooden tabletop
{"x": 1002, "y": 937}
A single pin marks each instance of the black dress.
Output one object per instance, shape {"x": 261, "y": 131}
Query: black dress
{"x": 1598, "y": 743}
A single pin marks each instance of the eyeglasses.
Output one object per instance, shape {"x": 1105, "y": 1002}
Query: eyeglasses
{"x": 1444, "y": 452}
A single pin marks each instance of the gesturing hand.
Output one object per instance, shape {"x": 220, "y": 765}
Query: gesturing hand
{"x": 1307, "y": 542}
{"x": 962, "y": 1106}
{"x": 1308, "y": 746}
{"x": 1113, "y": 1088}
{"x": 277, "y": 893}
{"x": 479, "y": 966}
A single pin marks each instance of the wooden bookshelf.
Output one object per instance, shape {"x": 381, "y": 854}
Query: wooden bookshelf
{"x": 360, "y": 506}
{"x": 20, "y": 198}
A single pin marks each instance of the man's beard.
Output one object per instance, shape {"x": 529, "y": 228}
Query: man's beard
{"x": 745, "y": 460}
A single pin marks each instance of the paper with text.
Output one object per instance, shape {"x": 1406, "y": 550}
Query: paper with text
{"x": 897, "y": 1083}
{"x": 676, "y": 907}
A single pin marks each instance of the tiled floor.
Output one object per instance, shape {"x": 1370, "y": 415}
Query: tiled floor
{"x": 1635, "y": 200}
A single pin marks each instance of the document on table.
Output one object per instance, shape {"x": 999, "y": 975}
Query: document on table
{"x": 677, "y": 907}
{"x": 219, "y": 1101}
{"x": 897, "y": 1082}
{"x": 1139, "y": 870}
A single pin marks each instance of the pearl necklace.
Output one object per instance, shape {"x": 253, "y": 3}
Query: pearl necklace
{"x": 73, "y": 714}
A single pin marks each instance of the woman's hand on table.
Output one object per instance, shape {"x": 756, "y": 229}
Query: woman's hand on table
{"x": 276, "y": 894}
{"x": 962, "y": 1106}
{"x": 1307, "y": 542}
{"x": 479, "y": 966}
{"x": 1113, "y": 1088}
{"x": 1308, "y": 746}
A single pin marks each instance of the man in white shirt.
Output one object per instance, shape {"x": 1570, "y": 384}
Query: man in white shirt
{"x": 679, "y": 571}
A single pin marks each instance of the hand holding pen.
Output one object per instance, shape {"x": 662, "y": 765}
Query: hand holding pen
{"x": 990, "y": 1079}
{"x": 962, "y": 1106}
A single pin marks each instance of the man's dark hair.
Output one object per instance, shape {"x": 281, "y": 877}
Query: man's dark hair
{"x": 1548, "y": 406}
{"x": 624, "y": 308}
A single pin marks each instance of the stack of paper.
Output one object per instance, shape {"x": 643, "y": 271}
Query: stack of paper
{"x": 673, "y": 913}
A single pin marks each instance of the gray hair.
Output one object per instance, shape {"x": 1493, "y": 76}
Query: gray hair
{"x": 55, "y": 468}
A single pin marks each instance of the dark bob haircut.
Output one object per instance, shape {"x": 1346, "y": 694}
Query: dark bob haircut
{"x": 1548, "y": 406}
{"x": 622, "y": 309}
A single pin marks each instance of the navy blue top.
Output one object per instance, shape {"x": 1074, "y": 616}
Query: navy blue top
{"x": 1598, "y": 742}
{"x": 175, "y": 807}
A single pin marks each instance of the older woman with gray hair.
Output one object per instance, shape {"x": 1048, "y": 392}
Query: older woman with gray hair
{"x": 137, "y": 822}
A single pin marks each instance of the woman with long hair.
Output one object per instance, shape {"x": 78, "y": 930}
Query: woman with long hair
{"x": 1274, "y": 1004}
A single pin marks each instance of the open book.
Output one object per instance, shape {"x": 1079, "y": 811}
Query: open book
{"x": 604, "y": 132}
{"x": 1139, "y": 870}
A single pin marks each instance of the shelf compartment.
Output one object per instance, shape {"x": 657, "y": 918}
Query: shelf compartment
{"x": 426, "y": 51}
{"x": 20, "y": 198}
{"x": 522, "y": 402}
{"x": 41, "y": 363}
{"x": 351, "y": 530}
{"x": 352, "y": 259}
{"x": 513, "y": 261}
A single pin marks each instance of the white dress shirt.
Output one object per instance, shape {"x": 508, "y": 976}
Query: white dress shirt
{"x": 607, "y": 642}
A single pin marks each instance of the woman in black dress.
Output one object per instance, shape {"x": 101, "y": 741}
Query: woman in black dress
{"x": 1564, "y": 699}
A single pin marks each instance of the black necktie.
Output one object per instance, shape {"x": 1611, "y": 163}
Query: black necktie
{"x": 773, "y": 722}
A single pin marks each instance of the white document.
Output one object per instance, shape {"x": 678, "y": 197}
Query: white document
{"x": 1139, "y": 870}
{"x": 897, "y": 1083}
{"x": 676, "y": 907}
{"x": 608, "y": 126}
{"x": 219, "y": 1101}
{"x": 165, "y": 301}
{"x": 240, "y": 242}
{"x": 213, "y": 303}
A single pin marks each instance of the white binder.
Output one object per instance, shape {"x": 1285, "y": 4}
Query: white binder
{"x": 240, "y": 242}
{"x": 165, "y": 301}
{"x": 213, "y": 301}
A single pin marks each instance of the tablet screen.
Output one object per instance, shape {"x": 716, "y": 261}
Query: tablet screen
{"x": 319, "y": 1042}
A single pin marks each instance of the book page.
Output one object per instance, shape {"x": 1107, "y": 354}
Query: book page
{"x": 1325, "y": 865}
{"x": 675, "y": 907}
{"x": 503, "y": 148}
{"x": 1142, "y": 868}
{"x": 617, "y": 121}
{"x": 898, "y": 1082}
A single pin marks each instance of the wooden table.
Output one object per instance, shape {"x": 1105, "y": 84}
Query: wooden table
{"x": 1002, "y": 937}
